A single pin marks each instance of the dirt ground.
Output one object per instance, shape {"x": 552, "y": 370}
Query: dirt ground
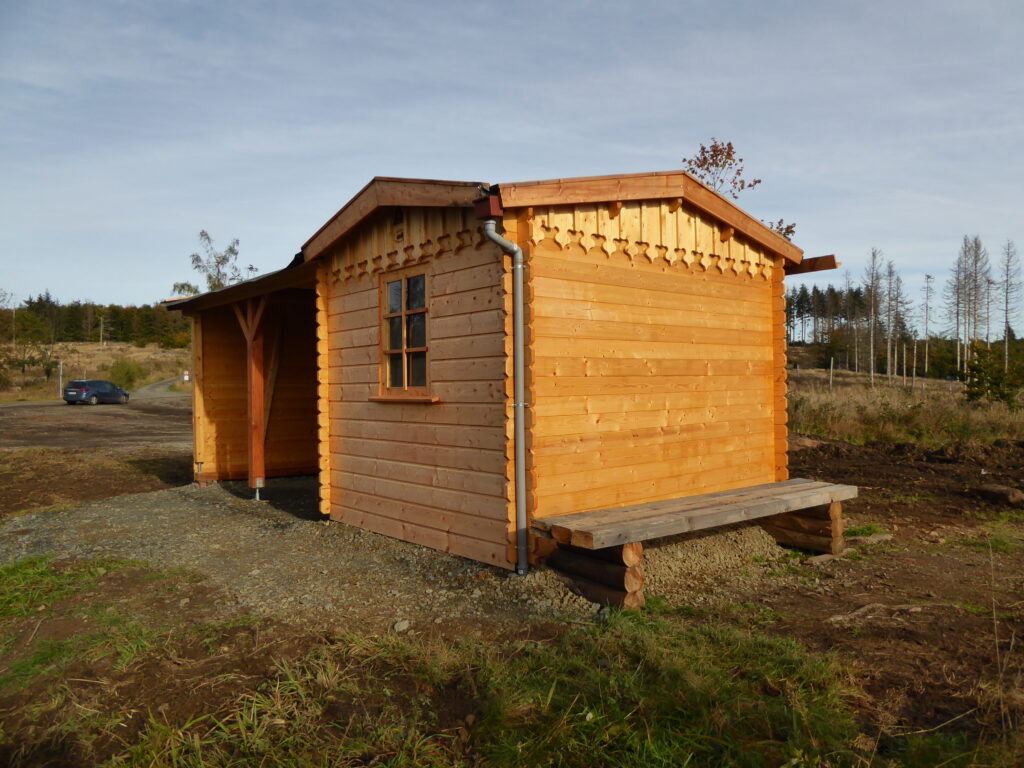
{"x": 931, "y": 619}
{"x": 54, "y": 454}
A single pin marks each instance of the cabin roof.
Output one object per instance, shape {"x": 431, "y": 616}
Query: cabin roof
{"x": 295, "y": 275}
{"x": 383, "y": 192}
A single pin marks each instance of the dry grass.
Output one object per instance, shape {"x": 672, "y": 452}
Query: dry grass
{"x": 931, "y": 413}
{"x": 90, "y": 360}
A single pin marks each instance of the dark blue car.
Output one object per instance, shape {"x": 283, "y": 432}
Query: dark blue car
{"x": 93, "y": 392}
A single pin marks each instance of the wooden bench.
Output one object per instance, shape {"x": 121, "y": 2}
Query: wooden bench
{"x": 602, "y": 551}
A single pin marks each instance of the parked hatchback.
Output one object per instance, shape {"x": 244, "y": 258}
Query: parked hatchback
{"x": 94, "y": 392}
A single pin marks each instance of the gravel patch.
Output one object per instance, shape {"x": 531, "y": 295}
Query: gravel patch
{"x": 279, "y": 557}
{"x": 271, "y": 561}
{"x": 695, "y": 567}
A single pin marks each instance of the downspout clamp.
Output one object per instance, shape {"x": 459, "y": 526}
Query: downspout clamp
{"x": 492, "y": 207}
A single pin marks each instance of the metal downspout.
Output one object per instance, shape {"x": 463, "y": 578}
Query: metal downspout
{"x": 519, "y": 394}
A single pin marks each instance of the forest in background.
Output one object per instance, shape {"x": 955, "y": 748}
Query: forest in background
{"x": 962, "y": 329}
{"x": 33, "y": 332}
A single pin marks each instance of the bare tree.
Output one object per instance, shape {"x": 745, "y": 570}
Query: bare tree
{"x": 966, "y": 292}
{"x": 929, "y": 294}
{"x": 219, "y": 268}
{"x": 1010, "y": 287}
{"x": 872, "y": 291}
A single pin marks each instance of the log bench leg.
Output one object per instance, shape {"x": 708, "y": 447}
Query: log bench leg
{"x": 610, "y": 576}
{"x": 819, "y": 529}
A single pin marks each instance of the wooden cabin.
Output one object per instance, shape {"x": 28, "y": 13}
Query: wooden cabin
{"x": 654, "y": 370}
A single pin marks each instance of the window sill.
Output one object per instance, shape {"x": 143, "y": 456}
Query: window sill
{"x": 426, "y": 399}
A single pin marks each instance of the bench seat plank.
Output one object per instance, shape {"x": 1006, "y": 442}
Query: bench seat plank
{"x": 611, "y": 527}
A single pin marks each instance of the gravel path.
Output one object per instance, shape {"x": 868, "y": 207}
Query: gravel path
{"x": 279, "y": 557}
{"x": 269, "y": 560}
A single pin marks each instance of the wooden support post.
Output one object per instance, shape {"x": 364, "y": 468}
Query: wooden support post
{"x": 251, "y": 322}
{"x": 819, "y": 529}
{"x": 611, "y": 576}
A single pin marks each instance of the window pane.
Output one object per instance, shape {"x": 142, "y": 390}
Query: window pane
{"x": 417, "y": 335}
{"x": 417, "y": 369}
{"x": 394, "y": 332}
{"x": 395, "y": 371}
{"x": 394, "y": 297}
{"x": 416, "y": 292}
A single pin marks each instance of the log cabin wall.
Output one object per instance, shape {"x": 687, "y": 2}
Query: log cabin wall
{"x": 434, "y": 473}
{"x": 654, "y": 366}
{"x": 219, "y": 404}
{"x": 291, "y": 376}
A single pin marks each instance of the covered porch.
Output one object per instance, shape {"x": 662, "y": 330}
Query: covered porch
{"x": 255, "y": 378}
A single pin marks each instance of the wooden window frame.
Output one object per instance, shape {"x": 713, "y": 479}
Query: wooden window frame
{"x": 405, "y": 393}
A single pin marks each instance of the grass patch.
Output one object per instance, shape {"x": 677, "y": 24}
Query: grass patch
{"x": 637, "y": 690}
{"x": 665, "y": 687}
{"x": 869, "y": 529}
{"x": 32, "y": 582}
{"x": 933, "y": 417}
{"x": 47, "y": 657}
{"x": 34, "y": 587}
{"x": 997, "y": 538}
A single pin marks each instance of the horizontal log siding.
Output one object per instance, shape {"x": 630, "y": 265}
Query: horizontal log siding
{"x": 291, "y": 442}
{"x": 433, "y": 474}
{"x": 222, "y": 445}
{"x": 654, "y": 362}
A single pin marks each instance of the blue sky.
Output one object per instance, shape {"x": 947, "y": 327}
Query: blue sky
{"x": 126, "y": 127}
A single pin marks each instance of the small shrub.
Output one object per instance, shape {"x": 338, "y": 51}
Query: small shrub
{"x": 987, "y": 380}
{"x": 126, "y": 373}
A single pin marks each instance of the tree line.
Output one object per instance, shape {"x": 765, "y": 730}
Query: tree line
{"x": 42, "y": 320}
{"x": 874, "y": 325}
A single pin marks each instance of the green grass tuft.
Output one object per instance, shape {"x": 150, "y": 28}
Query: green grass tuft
{"x": 870, "y": 529}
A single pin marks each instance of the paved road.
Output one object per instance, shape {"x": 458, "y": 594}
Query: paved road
{"x": 159, "y": 389}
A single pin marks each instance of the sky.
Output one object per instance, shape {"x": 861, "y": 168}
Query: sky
{"x": 126, "y": 127}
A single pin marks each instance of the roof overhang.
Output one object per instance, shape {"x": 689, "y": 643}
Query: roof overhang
{"x": 658, "y": 185}
{"x": 813, "y": 264}
{"x": 384, "y": 192}
{"x": 301, "y": 275}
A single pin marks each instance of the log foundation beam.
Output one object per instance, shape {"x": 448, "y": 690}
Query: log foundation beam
{"x": 611, "y": 576}
{"x": 818, "y": 529}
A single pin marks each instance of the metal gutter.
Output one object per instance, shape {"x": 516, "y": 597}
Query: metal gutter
{"x": 519, "y": 403}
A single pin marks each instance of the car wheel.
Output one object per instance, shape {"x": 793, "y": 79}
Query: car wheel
{"x": 94, "y": 400}
{"x": 69, "y": 402}
{"x": 123, "y": 400}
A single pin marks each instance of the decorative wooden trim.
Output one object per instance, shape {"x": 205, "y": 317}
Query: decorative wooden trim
{"x": 323, "y": 294}
{"x": 648, "y": 186}
{"x": 383, "y": 192}
{"x": 649, "y": 234}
